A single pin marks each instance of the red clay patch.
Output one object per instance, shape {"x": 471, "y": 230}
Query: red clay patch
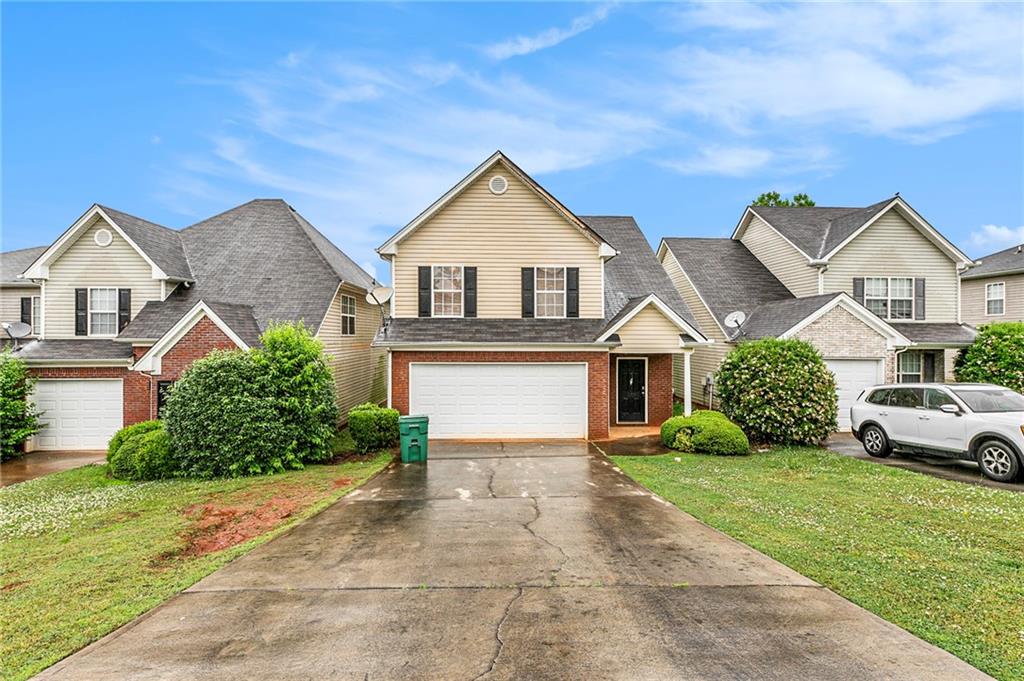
{"x": 216, "y": 528}
{"x": 343, "y": 482}
{"x": 12, "y": 586}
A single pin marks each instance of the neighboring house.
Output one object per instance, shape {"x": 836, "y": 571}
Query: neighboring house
{"x": 125, "y": 305}
{"x": 875, "y": 289}
{"x": 19, "y": 299}
{"x": 993, "y": 290}
{"x": 512, "y": 317}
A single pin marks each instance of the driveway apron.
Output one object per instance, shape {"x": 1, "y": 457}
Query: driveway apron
{"x": 508, "y": 561}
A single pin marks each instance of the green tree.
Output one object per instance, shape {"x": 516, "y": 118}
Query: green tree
{"x": 19, "y": 418}
{"x": 775, "y": 199}
{"x": 995, "y": 356}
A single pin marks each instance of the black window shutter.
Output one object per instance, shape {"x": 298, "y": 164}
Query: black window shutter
{"x": 26, "y": 311}
{"x": 527, "y": 292}
{"x": 919, "y": 299}
{"x": 858, "y": 289}
{"x": 124, "y": 308}
{"x": 424, "y": 287}
{"x": 572, "y": 291}
{"x": 81, "y": 312}
{"x": 469, "y": 291}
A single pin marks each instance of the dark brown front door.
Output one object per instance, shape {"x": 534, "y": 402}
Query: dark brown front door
{"x": 631, "y": 379}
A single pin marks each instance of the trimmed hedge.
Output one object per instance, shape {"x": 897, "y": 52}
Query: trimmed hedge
{"x": 373, "y": 427}
{"x": 19, "y": 418}
{"x": 705, "y": 432}
{"x": 672, "y": 426}
{"x": 996, "y": 356}
{"x": 143, "y": 453}
{"x": 130, "y": 431}
{"x": 778, "y": 391}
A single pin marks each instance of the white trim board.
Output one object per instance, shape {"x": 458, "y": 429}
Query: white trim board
{"x": 893, "y": 337}
{"x": 150, "y": 362}
{"x": 653, "y": 299}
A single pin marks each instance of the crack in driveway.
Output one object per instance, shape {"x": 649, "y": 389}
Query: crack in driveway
{"x": 499, "y": 643}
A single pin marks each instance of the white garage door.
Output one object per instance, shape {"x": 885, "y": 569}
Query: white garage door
{"x": 852, "y": 376}
{"x": 500, "y": 400}
{"x": 78, "y": 414}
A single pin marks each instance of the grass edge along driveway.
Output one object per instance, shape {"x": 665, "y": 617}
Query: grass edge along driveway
{"x": 941, "y": 559}
{"x": 82, "y": 554}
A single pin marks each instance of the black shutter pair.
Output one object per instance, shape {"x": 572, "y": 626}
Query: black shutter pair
{"x": 572, "y": 291}
{"x": 124, "y": 310}
{"x": 468, "y": 289}
{"x": 26, "y": 311}
{"x": 919, "y": 297}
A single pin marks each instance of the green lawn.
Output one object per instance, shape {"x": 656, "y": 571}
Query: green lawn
{"x": 942, "y": 559}
{"x": 81, "y": 554}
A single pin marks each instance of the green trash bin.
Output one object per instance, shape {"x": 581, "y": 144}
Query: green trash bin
{"x": 412, "y": 433}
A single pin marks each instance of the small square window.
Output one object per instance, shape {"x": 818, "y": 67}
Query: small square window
{"x": 348, "y": 316}
{"x": 910, "y": 367}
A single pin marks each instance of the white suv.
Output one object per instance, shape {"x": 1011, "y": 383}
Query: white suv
{"x": 972, "y": 421}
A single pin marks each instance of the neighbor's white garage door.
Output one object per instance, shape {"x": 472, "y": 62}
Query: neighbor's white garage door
{"x": 852, "y": 376}
{"x": 500, "y": 400}
{"x": 78, "y": 414}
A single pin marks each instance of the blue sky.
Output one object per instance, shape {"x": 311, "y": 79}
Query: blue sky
{"x": 361, "y": 115}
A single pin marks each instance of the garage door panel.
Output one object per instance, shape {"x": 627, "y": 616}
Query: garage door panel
{"x": 500, "y": 400}
{"x": 78, "y": 414}
{"x": 852, "y": 376}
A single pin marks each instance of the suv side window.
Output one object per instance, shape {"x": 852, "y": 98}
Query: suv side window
{"x": 910, "y": 398}
{"x": 880, "y": 396}
{"x": 933, "y": 399}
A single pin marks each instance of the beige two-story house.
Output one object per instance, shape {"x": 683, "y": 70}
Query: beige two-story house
{"x": 993, "y": 290}
{"x": 120, "y": 306}
{"x": 875, "y": 289}
{"x": 513, "y": 317}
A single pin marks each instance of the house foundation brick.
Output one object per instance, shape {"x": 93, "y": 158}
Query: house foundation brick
{"x": 597, "y": 377}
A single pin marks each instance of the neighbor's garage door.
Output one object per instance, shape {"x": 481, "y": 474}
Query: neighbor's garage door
{"x": 78, "y": 414}
{"x": 852, "y": 376}
{"x": 501, "y": 400}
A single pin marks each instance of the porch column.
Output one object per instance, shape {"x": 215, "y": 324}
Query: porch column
{"x": 687, "y": 402}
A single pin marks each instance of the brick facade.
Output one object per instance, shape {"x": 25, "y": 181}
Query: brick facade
{"x": 597, "y": 377}
{"x": 840, "y": 335}
{"x": 659, "y": 387}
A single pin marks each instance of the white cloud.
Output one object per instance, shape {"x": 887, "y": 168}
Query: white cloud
{"x": 996, "y": 237}
{"x": 744, "y": 161}
{"x": 521, "y": 45}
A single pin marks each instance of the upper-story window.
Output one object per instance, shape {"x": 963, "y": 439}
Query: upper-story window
{"x": 447, "y": 292}
{"x": 35, "y": 315}
{"x": 549, "y": 292}
{"x": 103, "y": 312}
{"x": 348, "y": 316}
{"x": 995, "y": 298}
{"x": 890, "y": 297}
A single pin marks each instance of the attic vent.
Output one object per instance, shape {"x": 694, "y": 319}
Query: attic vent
{"x": 498, "y": 185}
{"x": 103, "y": 237}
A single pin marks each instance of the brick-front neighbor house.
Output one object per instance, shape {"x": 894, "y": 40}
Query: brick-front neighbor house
{"x": 120, "y": 307}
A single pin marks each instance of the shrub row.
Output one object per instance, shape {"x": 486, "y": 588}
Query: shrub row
{"x": 373, "y": 427}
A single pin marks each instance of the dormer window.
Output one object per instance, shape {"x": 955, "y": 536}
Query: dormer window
{"x": 447, "y": 292}
{"x": 550, "y": 292}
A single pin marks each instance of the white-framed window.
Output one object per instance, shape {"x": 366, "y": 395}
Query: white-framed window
{"x": 447, "y": 292}
{"x": 35, "y": 315}
{"x": 995, "y": 298}
{"x": 348, "y": 316}
{"x": 549, "y": 292}
{"x": 103, "y": 312}
{"x": 910, "y": 368}
{"x": 890, "y": 297}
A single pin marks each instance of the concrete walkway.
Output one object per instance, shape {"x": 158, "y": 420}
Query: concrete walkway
{"x": 502, "y": 561}
{"x": 38, "y": 464}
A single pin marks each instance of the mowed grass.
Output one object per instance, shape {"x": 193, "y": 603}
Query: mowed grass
{"x": 81, "y": 553}
{"x": 944, "y": 560}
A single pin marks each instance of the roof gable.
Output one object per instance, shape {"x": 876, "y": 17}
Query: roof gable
{"x": 638, "y": 305}
{"x": 13, "y": 263}
{"x": 390, "y": 247}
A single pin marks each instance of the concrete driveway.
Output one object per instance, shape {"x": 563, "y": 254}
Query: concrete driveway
{"x": 502, "y": 561}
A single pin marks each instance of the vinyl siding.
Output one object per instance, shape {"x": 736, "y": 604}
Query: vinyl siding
{"x": 359, "y": 370}
{"x": 84, "y": 265}
{"x": 892, "y": 247}
{"x": 649, "y": 332}
{"x": 973, "y": 306}
{"x": 781, "y": 258}
{"x": 704, "y": 360}
{"x": 704, "y": 317}
{"x": 10, "y": 302}
{"x": 499, "y": 235}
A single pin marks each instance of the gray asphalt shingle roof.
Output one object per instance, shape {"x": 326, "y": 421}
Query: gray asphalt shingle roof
{"x": 1009, "y": 261}
{"x": 510, "y": 331}
{"x": 726, "y": 275}
{"x": 13, "y": 263}
{"x": 775, "y": 318}
{"x": 161, "y": 244}
{"x": 816, "y": 230}
{"x": 157, "y": 317}
{"x": 939, "y": 333}
{"x": 74, "y": 348}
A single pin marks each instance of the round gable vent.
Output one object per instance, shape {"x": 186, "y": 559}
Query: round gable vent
{"x": 103, "y": 237}
{"x": 498, "y": 185}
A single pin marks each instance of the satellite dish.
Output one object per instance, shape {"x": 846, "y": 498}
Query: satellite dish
{"x": 17, "y": 330}
{"x": 380, "y": 295}
{"x": 735, "y": 319}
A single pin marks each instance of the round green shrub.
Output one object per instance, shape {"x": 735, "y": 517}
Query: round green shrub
{"x": 996, "y": 356}
{"x": 143, "y": 454}
{"x": 373, "y": 427}
{"x": 302, "y": 387}
{"x": 223, "y": 419}
{"x": 129, "y": 431}
{"x": 778, "y": 391}
{"x": 19, "y": 418}
{"x": 707, "y": 432}
{"x": 670, "y": 428}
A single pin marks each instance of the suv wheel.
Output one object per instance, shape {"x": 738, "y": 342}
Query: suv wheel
{"x": 875, "y": 442}
{"x": 997, "y": 461}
